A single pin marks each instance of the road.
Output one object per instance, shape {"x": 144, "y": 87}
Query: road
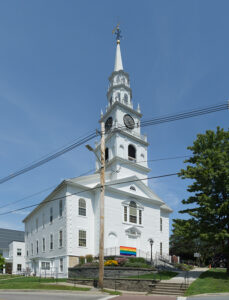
{"x": 208, "y": 297}
{"x": 50, "y": 296}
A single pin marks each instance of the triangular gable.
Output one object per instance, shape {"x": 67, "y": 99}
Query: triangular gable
{"x": 134, "y": 186}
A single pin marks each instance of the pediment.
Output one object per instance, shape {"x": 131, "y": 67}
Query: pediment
{"x": 136, "y": 189}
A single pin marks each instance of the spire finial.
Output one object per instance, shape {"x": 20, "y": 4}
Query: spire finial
{"x": 118, "y": 56}
{"x": 117, "y": 32}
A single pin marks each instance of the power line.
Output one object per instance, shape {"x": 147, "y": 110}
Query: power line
{"x": 47, "y": 159}
{"x": 39, "y": 192}
{"x": 87, "y": 190}
{"x": 87, "y": 172}
{"x": 154, "y": 121}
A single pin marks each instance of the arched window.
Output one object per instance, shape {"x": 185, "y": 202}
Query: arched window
{"x": 82, "y": 207}
{"x": 117, "y": 98}
{"x": 106, "y": 154}
{"x": 126, "y": 99}
{"x": 131, "y": 153}
{"x": 110, "y": 101}
{"x": 132, "y": 212}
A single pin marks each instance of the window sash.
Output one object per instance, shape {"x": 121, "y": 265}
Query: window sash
{"x": 19, "y": 267}
{"x": 51, "y": 215}
{"x": 51, "y": 242}
{"x": 140, "y": 217}
{"x": 82, "y": 238}
{"x": 61, "y": 265}
{"x": 82, "y": 207}
{"x": 43, "y": 244}
{"x": 125, "y": 213}
{"x": 60, "y": 208}
{"x": 18, "y": 252}
{"x": 60, "y": 238}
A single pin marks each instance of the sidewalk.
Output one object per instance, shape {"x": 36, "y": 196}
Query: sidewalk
{"x": 192, "y": 276}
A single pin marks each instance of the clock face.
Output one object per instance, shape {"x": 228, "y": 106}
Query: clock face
{"x": 108, "y": 124}
{"x": 129, "y": 121}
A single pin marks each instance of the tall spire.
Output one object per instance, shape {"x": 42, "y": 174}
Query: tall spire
{"x": 118, "y": 57}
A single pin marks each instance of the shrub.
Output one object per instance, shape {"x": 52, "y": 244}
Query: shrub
{"x": 110, "y": 258}
{"x": 184, "y": 267}
{"x": 89, "y": 258}
{"x": 136, "y": 265}
{"x": 121, "y": 261}
{"x": 81, "y": 260}
{"x": 137, "y": 260}
{"x": 111, "y": 263}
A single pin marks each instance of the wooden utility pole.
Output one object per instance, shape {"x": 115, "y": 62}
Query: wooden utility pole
{"x": 102, "y": 193}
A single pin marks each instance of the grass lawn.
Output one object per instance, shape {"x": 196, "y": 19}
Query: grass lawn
{"x": 212, "y": 281}
{"x": 111, "y": 292}
{"x": 163, "y": 275}
{"x": 4, "y": 276}
{"x": 37, "y": 283}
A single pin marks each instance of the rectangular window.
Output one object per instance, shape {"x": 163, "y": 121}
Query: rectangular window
{"x": 133, "y": 215}
{"x": 43, "y": 220}
{"x": 60, "y": 208}
{"x": 36, "y": 224}
{"x": 61, "y": 265}
{"x": 82, "y": 207}
{"x": 160, "y": 224}
{"x": 60, "y": 238}
{"x": 19, "y": 267}
{"x": 51, "y": 242}
{"x": 51, "y": 215}
{"x": 140, "y": 217}
{"x": 125, "y": 213}
{"x": 27, "y": 253}
{"x": 18, "y": 252}
{"x": 32, "y": 248}
{"x": 37, "y": 247}
{"x": 43, "y": 244}
{"x": 82, "y": 238}
{"x": 160, "y": 248}
{"x": 45, "y": 265}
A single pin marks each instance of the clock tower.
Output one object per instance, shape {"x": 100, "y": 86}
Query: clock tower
{"x": 126, "y": 147}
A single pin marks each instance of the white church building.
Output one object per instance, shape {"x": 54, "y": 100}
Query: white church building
{"x": 65, "y": 225}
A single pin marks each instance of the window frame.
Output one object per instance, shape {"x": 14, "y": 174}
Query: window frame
{"x": 51, "y": 215}
{"x": 82, "y": 209}
{"x": 82, "y": 241}
{"x": 19, "y": 252}
{"x": 60, "y": 238}
{"x": 43, "y": 244}
{"x": 51, "y": 243}
{"x": 61, "y": 208}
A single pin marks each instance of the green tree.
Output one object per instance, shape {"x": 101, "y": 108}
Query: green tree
{"x": 2, "y": 262}
{"x": 185, "y": 241}
{"x": 208, "y": 171}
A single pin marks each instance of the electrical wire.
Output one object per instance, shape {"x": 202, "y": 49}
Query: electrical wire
{"x": 154, "y": 121}
{"x": 47, "y": 159}
{"x": 87, "y": 190}
{"x": 87, "y": 172}
{"x": 39, "y": 192}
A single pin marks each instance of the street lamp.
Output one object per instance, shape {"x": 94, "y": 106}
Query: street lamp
{"x": 93, "y": 150}
{"x": 151, "y": 246}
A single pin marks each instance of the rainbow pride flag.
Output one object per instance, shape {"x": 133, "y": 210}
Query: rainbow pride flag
{"x": 128, "y": 251}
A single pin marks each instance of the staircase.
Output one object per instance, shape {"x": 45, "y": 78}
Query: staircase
{"x": 165, "y": 288}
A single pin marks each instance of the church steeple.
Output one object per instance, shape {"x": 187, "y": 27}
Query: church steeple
{"x": 126, "y": 147}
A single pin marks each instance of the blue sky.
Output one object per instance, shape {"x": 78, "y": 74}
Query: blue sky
{"x": 55, "y": 59}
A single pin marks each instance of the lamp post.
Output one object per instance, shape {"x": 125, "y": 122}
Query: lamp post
{"x": 102, "y": 193}
{"x": 151, "y": 247}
